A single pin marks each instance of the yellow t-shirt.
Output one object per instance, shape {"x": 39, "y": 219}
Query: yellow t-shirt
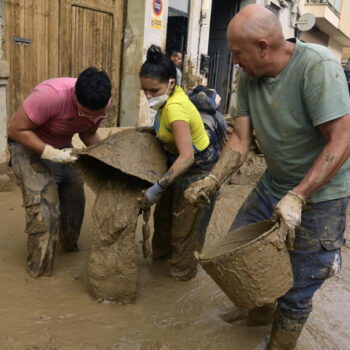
{"x": 179, "y": 107}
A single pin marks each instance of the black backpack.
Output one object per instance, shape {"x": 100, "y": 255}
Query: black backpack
{"x": 204, "y": 100}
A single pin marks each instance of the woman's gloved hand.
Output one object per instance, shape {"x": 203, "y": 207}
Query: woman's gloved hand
{"x": 153, "y": 194}
{"x": 64, "y": 155}
{"x": 288, "y": 213}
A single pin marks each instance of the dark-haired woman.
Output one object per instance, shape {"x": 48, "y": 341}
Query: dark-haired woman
{"x": 179, "y": 228}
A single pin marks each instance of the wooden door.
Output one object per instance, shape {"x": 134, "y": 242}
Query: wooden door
{"x": 51, "y": 38}
{"x": 31, "y": 46}
{"x": 90, "y": 35}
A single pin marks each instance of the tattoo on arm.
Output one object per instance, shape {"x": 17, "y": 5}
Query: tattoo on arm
{"x": 166, "y": 179}
{"x": 329, "y": 157}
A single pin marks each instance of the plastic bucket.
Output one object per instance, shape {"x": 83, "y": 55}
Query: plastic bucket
{"x": 250, "y": 264}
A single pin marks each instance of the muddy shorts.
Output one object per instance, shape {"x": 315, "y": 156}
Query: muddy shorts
{"x": 316, "y": 255}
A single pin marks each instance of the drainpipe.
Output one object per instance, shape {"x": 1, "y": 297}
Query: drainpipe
{"x": 202, "y": 54}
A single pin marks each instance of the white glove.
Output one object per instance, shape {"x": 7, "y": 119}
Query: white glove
{"x": 288, "y": 212}
{"x": 153, "y": 193}
{"x": 64, "y": 155}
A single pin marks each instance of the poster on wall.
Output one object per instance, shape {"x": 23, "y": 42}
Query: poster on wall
{"x": 157, "y": 9}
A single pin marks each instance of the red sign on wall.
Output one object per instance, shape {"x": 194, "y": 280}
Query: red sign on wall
{"x": 157, "y": 7}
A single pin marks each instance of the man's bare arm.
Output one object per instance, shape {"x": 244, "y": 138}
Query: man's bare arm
{"x": 20, "y": 129}
{"x": 331, "y": 159}
{"x": 237, "y": 146}
{"x": 231, "y": 158}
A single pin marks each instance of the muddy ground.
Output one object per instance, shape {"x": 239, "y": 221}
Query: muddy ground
{"x": 58, "y": 313}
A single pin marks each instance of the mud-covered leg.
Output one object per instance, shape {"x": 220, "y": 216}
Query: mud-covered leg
{"x": 161, "y": 240}
{"x": 112, "y": 268}
{"x": 41, "y": 246}
{"x": 40, "y": 200}
{"x": 189, "y": 225}
{"x": 72, "y": 206}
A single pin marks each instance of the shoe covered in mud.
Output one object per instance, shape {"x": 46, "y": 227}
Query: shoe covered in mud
{"x": 262, "y": 315}
{"x": 182, "y": 275}
{"x": 282, "y": 339}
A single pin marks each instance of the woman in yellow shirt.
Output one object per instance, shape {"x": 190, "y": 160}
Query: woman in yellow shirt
{"x": 179, "y": 228}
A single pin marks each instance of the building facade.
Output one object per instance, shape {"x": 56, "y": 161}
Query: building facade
{"x": 41, "y": 39}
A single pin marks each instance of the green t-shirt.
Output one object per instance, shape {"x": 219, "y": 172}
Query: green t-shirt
{"x": 285, "y": 112}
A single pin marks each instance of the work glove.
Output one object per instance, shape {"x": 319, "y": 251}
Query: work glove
{"x": 200, "y": 192}
{"x": 153, "y": 194}
{"x": 288, "y": 213}
{"x": 64, "y": 155}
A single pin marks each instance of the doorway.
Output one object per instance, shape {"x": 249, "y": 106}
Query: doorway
{"x": 50, "y": 38}
{"x": 177, "y": 29}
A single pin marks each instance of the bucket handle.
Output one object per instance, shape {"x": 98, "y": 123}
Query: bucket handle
{"x": 280, "y": 238}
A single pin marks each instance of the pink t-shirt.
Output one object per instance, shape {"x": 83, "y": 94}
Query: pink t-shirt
{"x": 52, "y": 106}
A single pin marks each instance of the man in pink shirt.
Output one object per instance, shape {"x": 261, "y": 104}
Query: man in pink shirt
{"x": 40, "y": 142}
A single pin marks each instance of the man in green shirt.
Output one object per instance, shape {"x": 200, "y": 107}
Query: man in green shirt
{"x": 295, "y": 96}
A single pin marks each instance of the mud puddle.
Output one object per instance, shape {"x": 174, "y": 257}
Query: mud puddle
{"x": 58, "y": 313}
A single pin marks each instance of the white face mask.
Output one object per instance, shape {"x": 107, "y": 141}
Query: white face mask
{"x": 157, "y": 102}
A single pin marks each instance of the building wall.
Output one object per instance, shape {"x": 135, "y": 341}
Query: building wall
{"x": 335, "y": 47}
{"x": 4, "y": 75}
{"x": 140, "y": 33}
{"x": 330, "y": 23}
{"x": 344, "y": 24}
{"x": 197, "y": 43}
{"x": 143, "y": 28}
{"x": 315, "y": 36}
{"x": 132, "y": 60}
{"x": 346, "y": 53}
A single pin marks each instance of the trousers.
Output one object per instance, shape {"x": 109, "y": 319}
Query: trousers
{"x": 179, "y": 227}
{"x": 54, "y": 202}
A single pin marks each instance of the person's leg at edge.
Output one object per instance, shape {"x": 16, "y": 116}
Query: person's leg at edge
{"x": 189, "y": 225}
{"x": 40, "y": 200}
{"x": 318, "y": 242}
{"x": 161, "y": 240}
{"x": 72, "y": 207}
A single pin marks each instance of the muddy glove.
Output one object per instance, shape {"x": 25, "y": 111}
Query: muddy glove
{"x": 64, "y": 155}
{"x": 288, "y": 212}
{"x": 153, "y": 193}
{"x": 200, "y": 192}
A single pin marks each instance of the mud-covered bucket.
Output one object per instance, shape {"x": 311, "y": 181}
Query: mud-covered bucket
{"x": 250, "y": 264}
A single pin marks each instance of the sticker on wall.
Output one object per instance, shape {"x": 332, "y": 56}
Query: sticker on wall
{"x": 156, "y": 23}
{"x": 157, "y": 7}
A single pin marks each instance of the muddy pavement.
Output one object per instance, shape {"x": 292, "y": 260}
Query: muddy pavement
{"x": 58, "y": 313}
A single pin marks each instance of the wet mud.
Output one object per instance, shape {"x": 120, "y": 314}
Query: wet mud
{"x": 117, "y": 170}
{"x": 112, "y": 266}
{"x": 57, "y": 313}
